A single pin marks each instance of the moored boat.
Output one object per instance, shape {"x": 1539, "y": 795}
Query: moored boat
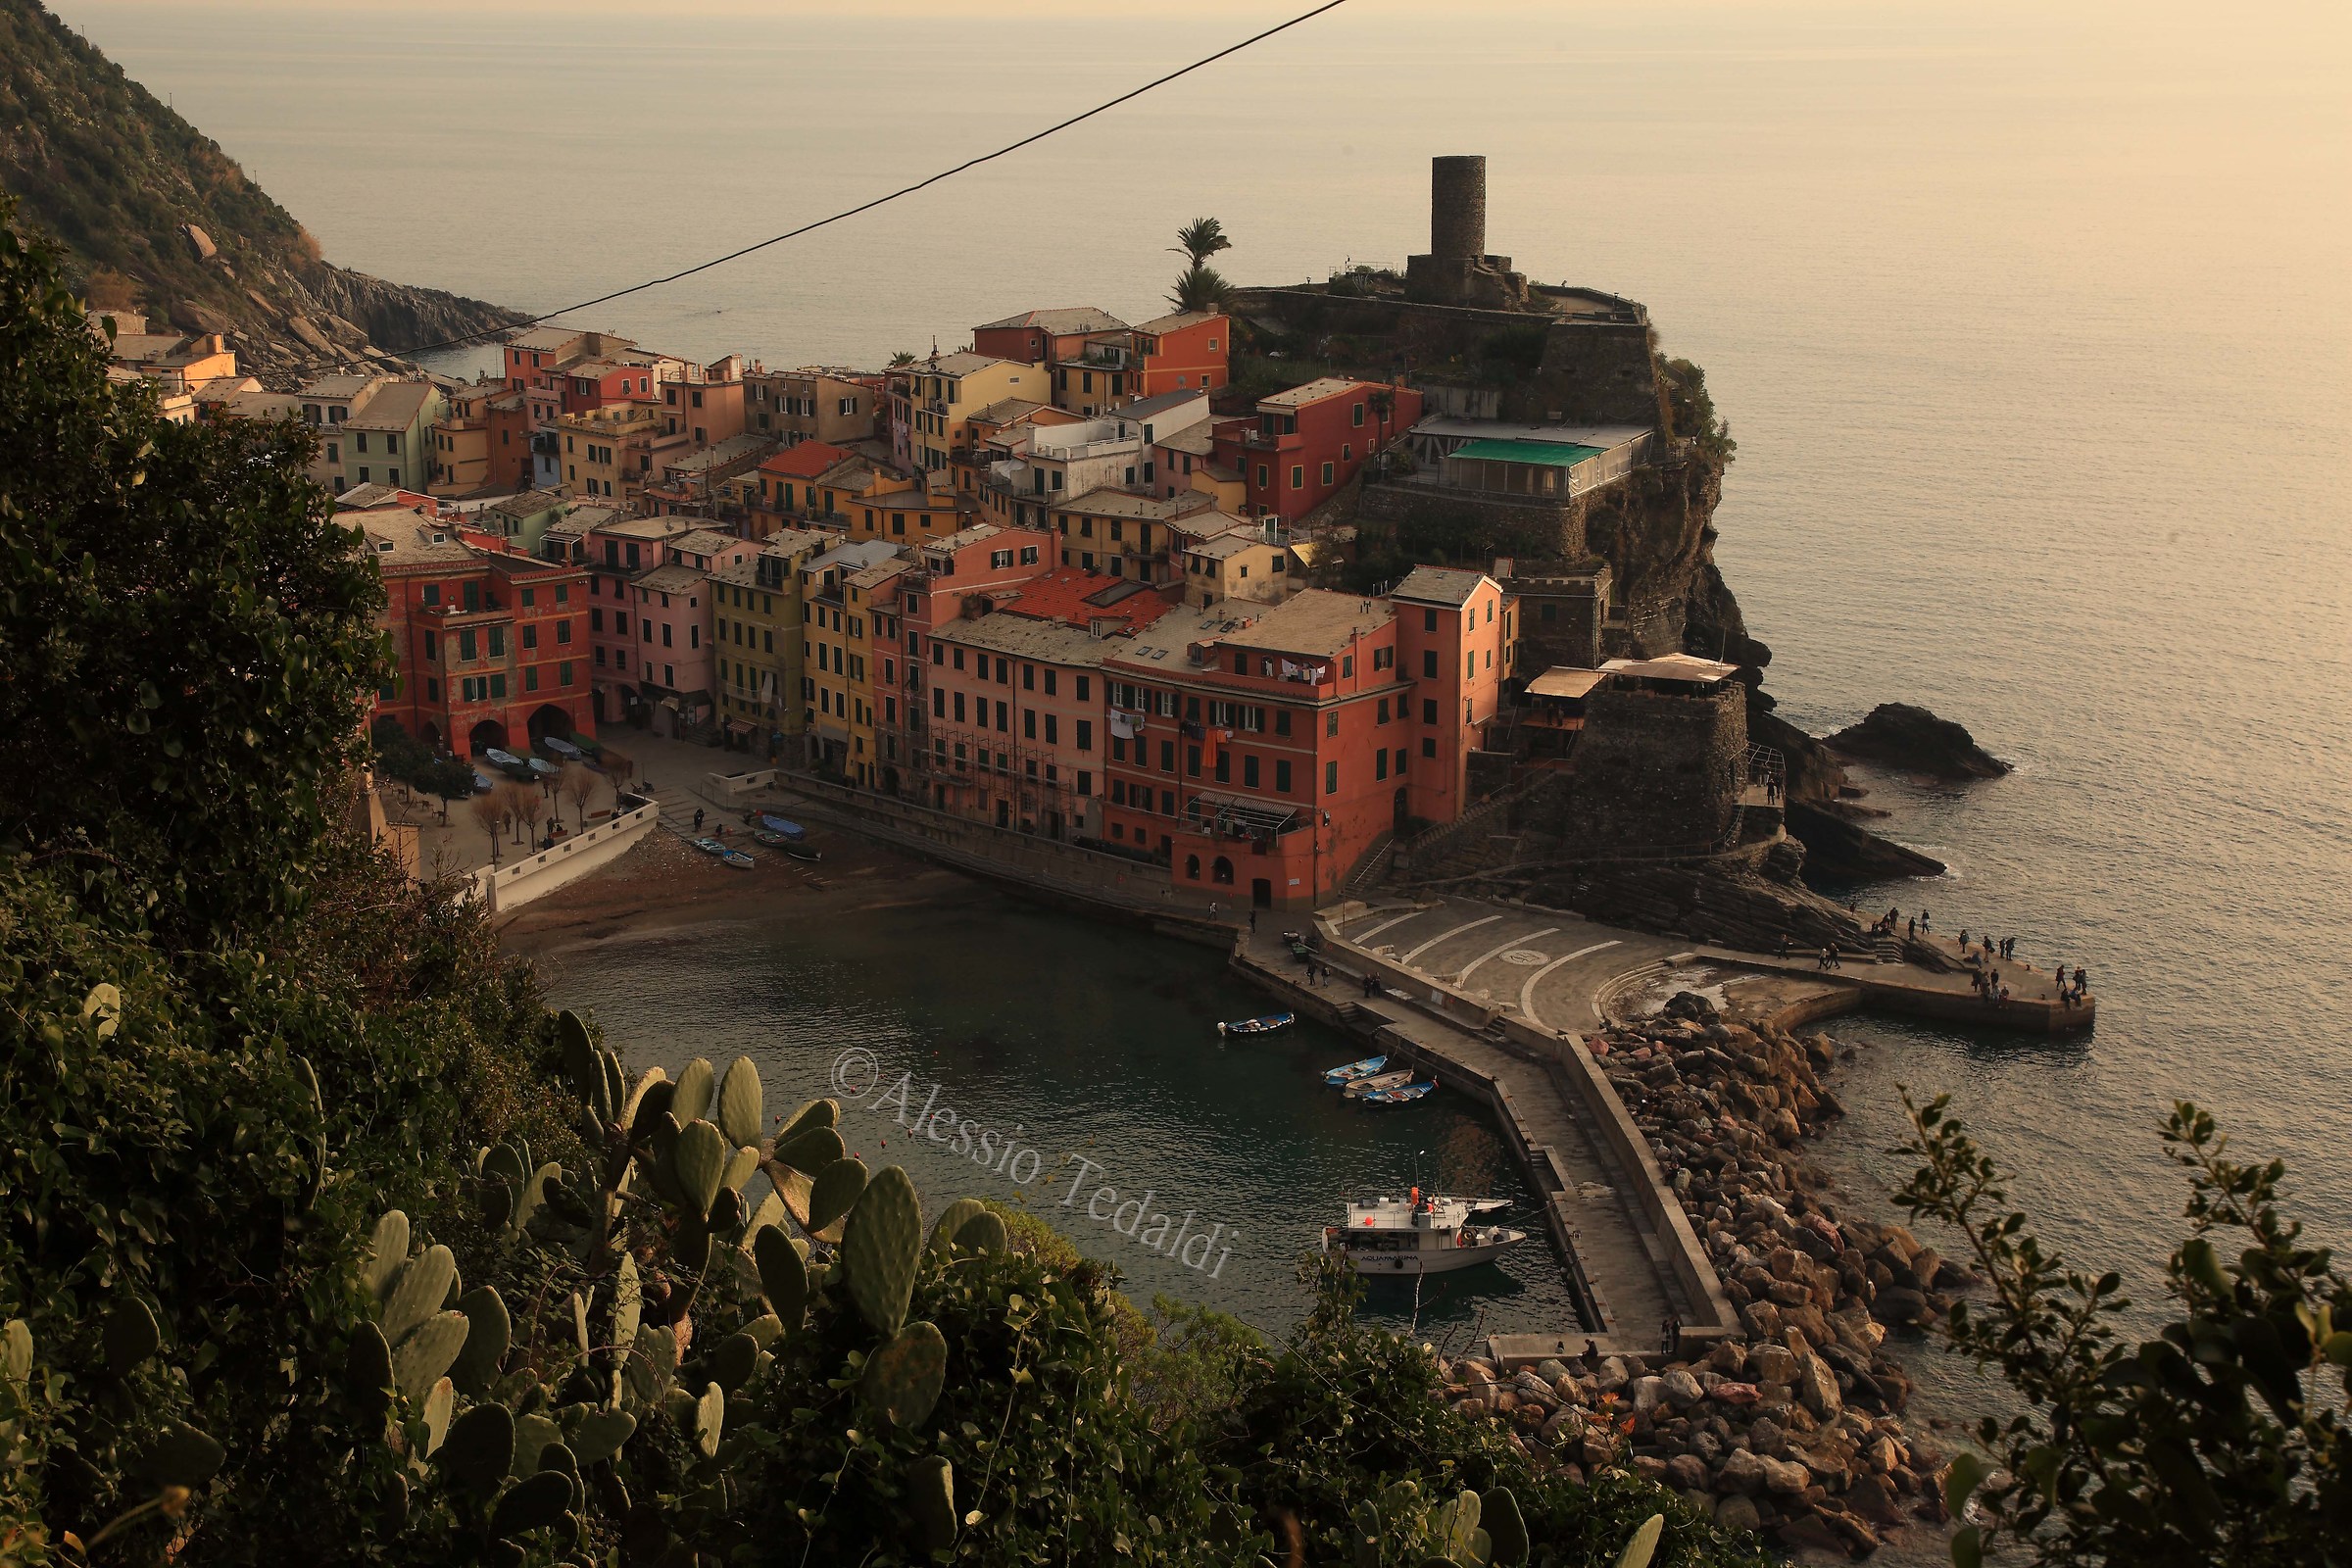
{"x": 1354, "y": 1070}
{"x": 1377, "y": 1082}
{"x": 709, "y": 846}
{"x": 1401, "y": 1094}
{"x": 774, "y": 840}
{"x": 1422, "y": 1234}
{"x": 800, "y": 849}
{"x": 1265, "y": 1024}
{"x": 777, "y": 824}
{"x": 737, "y": 860}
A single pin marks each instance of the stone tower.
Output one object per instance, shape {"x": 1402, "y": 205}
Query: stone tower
{"x": 1457, "y": 270}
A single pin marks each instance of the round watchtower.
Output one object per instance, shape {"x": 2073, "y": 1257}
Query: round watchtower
{"x": 1458, "y": 207}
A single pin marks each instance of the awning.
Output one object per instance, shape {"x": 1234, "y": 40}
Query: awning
{"x": 1564, "y": 680}
{"x": 1550, "y": 454}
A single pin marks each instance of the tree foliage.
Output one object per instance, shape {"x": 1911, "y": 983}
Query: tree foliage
{"x": 2221, "y": 1440}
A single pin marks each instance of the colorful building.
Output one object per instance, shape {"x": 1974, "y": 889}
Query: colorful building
{"x": 1311, "y": 441}
{"x": 1261, "y": 755}
{"x": 1187, "y": 351}
{"x": 704, "y": 403}
{"x": 931, "y": 402}
{"x": 611, "y": 452}
{"x": 814, "y": 403}
{"x": 388, "y": 439}
{"x": 482, "y": 444}
{"x": 618, "y": 549}
{"x": 835, "y": 635}
{"x": 1123, "y": 533}
{"x": 760, "y": 638}
{"x": 1457, "y": 639}
{"x": 490, "y": 646}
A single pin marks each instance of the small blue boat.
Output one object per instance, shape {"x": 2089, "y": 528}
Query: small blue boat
{"x": 709, "y": 846}
{"x": 1348, "y": 1074}
{"x": 1265, "y": 1025}
{"x": 736, "y": 859}
{"x": 499, "y": 759}
{"x": 1402, "y": 1095}
{"x": 481, "y": 785}
{"x": 777, "y": 824}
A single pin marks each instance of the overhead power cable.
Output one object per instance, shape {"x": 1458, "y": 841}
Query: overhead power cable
{"x": 864, "y": 206}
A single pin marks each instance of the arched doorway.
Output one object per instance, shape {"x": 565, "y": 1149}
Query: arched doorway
{"x": 548, "y": 720}
{"x": 430, "y": 737}
{"x": 487, "y": 734}
{"x": 1221, "y": 873}
{"x": 1192, "y": 867}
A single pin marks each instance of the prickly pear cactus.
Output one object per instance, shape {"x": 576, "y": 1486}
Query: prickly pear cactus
{"x": 880, "y": 1243}
{"x": 691, "y": 1100}
{"x": 388, "y": 1251}
{"x": 952, "y": 1219}
{"x": 537, "y": 1504}
{"x": 985, "y": 1232}
{"x": 1505, "y": 1526}
{"x": 903, "y": 1379}
{"x": 1644, "y": 1543}
{"x": 931, "y": 1499}
{"x": 740, "y": 1105}
{"x": 836, "y": 1187}
{"x": 811, "y": 1113}
{"x": 478, "y": 1449}
{"x": 810, "y": 1150}
{"x": 783, "y": 1275}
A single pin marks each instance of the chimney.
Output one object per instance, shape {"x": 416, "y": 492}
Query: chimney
{"x": 1458, "y": 207}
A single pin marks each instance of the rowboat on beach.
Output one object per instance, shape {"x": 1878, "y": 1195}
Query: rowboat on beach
{"x": 1267, "y": 1024}
{"x": 736, "y": 859}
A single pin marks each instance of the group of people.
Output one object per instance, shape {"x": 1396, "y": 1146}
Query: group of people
{"x": 2070, "y": 993}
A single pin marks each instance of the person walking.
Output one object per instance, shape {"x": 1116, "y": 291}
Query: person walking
{"x": 1254, "y": 922}
{"x": 697, "y": 820}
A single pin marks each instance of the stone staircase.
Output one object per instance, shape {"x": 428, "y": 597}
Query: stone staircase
{"x": 1374, "y": 866}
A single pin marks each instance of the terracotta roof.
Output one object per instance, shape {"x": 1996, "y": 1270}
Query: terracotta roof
{"x": 1177, "y": 322}
{"x": 1108, "y": 502}
{"x": 1071, "y": 318}
{"x": 803, "y": 462}
{"x": 1076, "y": 597}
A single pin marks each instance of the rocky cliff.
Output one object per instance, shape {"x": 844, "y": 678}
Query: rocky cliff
{"x": 157, "y": 220}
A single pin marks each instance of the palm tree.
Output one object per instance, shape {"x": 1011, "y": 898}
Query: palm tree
{"x": 1200, "y": 239}
{"x": 901, "y": 358}
{"x": 1201, "y": 286}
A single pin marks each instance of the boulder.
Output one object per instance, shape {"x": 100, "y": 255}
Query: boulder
{"x": 1786, "y": 1477}
{"x": 1772, "y": 1363}
{"x": 1686, "y": 1472}
{"x": 1737, "y": 1513}
{"x": 1899, "y": 1306}
{"x": 1738, "y": 1396}
{"x": 1681, "y": 1389}
{"x": 1817, "y": 1389}
{"x": 1743, "y": 1473}
{"x": 1647, "y": 1393}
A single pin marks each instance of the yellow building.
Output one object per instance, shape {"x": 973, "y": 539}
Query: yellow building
{"x": 1237, "y": 565}
{"x": 833, "y": 635}
{"x": 758, "y": 637}
{"x": 932, "y": 402}
{"x": 871, "y": 597}
{"x": 912, "y": 517}
{"x": 610, "y": 453}
{"x": 1125, "y": 534}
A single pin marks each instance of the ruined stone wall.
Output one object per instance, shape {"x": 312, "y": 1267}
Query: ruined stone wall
{"x": 1656, "y": 773}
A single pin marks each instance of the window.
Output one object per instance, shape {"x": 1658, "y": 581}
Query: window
{"x": 665, "y": 642}
{"x": 1381, "y": 715}
{"x": 1086, "y": 736}
{"x": 530, "y": 677}
{"x": 1380, "y": 763}
{"x": 1331, "y": 778}
{"x": 1052, "y": 730}
{"x": 1429, "y": 710}
{"x": 530, "y": 636}
{"x": 1167, "y": 756}
{"x": 1085, "y": 783}
{"x": 959, "y": 708}
{"x": 1331, "y": 722}
{"x": 1429, "y": 746}
{"x": 1400, "y": 761}
{"x": 1029, "y": 678}
{"x": 1028, "y": 555}
{"x": 1029, "y": 724}
{"x": 1429, "y": 663}
{"x": 1298, "y": 475}
{"x": 1282, "y": 721}
{"x": 1329, "y": 470}
{"x": 1359, "y": 416}
{"x": 1262, "y": 480}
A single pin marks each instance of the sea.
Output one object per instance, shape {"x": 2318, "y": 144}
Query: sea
{"x": 2030, "y": 323}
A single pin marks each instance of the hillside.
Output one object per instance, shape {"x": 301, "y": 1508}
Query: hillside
{"x": 156, "y": 218}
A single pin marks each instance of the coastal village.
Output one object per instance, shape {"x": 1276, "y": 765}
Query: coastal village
{"x": 1365, "y": 650}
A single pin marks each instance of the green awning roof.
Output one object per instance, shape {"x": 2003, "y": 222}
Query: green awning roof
{"x": 1550, "y": 454}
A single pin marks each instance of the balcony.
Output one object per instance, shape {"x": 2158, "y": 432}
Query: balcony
{"x": 1107, "y": 357}
{"x": 1241, "y": 816}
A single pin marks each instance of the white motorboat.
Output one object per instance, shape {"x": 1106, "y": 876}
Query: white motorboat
{"x": 1423, "y": 1234}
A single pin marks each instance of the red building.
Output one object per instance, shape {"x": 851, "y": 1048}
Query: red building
{"x": 785, "y": 494}
{"x": 1182, "y": 353}
{"x": 1308, "y": 442}
{"x": 1261, "y": 755}
{"x": 492, "y": 648}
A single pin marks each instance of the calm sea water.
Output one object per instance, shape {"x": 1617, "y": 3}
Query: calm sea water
{"x": 1095, "y": 1047}
{"x": 2031, "y": 325}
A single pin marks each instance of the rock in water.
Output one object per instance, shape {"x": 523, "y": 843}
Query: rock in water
{"x": 1908, "y": 737}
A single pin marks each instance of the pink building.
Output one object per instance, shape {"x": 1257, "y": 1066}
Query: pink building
{"x": 1456, "y": 636}
{"x": 618, "y": 549}
{"x": 1310, "y": 442}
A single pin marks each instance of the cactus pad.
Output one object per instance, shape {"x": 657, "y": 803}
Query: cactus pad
{"x": 811, "y": 1113}
{"x": 366, "y": 1362}
{"x": 952, "y": 1219}
{"x": 387, "y": 1251}
{"x": 732, "y": 1363}
{"x": 1644, "y": 1545}
{"x": 710, "y": 1419}
{"x": 1506, "y": 1528}
{"x": 537, "y": 1504}
{"x": 739, "y": 1104}
{"x": 488, "y": 1332}
{"x": 931, "y": 1498}
{"x": 903, "y": 1379}
{"x": 810, "y": 1150}
{"x": 426, "y": 1353}
{"x": 698, "y": 1161}
{"x": 418, "y": 1291}
{"x": 600, "y": 1433}
{"x": 880, "y": 1242}
{"x": 653, "y": 1363}
{"x": 533, "y": 1434}
{"x": 437, "y": 1406}
{"x": 577, "y": 1050}
{"x": 478, "y": 1450}
{"x": 985, "y": 1232}
{"x": 131, "y": 1337}
{"x": 692, "y": 1098}
{"x": 783, "y": 1276}
{"x": 835, "y": 1189}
